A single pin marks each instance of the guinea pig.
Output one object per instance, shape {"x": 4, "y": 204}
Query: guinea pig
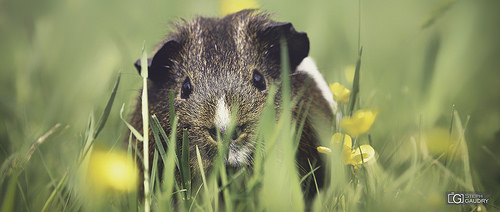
{"x": 216, "y": 65}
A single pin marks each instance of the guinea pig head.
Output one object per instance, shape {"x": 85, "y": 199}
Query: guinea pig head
{"x": 219, "y": 69}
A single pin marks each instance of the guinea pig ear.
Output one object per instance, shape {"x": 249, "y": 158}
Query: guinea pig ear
{"x": 298, "y": 42}
{"x": 160, "y": 64}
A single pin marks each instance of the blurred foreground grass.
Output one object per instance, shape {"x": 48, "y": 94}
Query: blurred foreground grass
{"x": 59, "y": 59}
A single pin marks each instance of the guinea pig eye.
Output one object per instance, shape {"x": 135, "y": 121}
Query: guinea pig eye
{"x": 258, "y": 80}
{"x": 186, "y": 88}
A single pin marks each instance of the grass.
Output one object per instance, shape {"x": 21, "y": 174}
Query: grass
{"x": 419, "y": 59}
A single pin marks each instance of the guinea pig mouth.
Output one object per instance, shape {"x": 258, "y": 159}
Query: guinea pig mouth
{"x": 239, "y": 151}
{"x": 238, "y": 154}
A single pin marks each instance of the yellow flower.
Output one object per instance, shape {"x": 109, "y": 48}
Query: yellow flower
{"x": 347, "y": 148}
{"x": 231, "y": 6}
{"x": 112, "y": 170}
{"x": 337, "y": 140}
{"x": 324, "y": 150}
{"x": 362, "y": 154}
{"x": 358, "y": 156}
{"x": 340, "y": 93}
{"x": 360, "y": 123}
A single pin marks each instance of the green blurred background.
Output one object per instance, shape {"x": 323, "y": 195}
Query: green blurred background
{"x": 59, "y": 60}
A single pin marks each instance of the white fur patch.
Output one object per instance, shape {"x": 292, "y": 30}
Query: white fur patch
{"x": 309, "y": 67}
{"x": 238, "y": 155}
{"x": 222, "y": 115}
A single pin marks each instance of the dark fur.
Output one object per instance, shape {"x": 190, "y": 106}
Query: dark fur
{"x": 206, "y": 51}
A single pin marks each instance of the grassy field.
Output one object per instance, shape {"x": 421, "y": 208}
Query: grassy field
{"x": 429, "y": 68}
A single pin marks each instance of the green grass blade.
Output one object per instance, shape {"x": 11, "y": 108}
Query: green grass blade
{"x": 102, "y": 121}
{"x": 465, "y": 155}
{"x": 225, "y": 192}
{"x": 263, "y": 131}
{"x": 107, "y": 109}
{"x": 23, "y": 196}
{"x": 169, "y": 181}
{"x": 54, "y": 192}
{"x": 156, "y": 127}
{"x": 355, "y": 84}
{"x": 137, "y": 135}
{"x": 203, "y": 178}
{"x": 10, "y": 193}
{"x": 154, "y": 170}
{"x": 314, "y": 178}
{"x": 186, "y": 168}
{"x": 145, "y": 127}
